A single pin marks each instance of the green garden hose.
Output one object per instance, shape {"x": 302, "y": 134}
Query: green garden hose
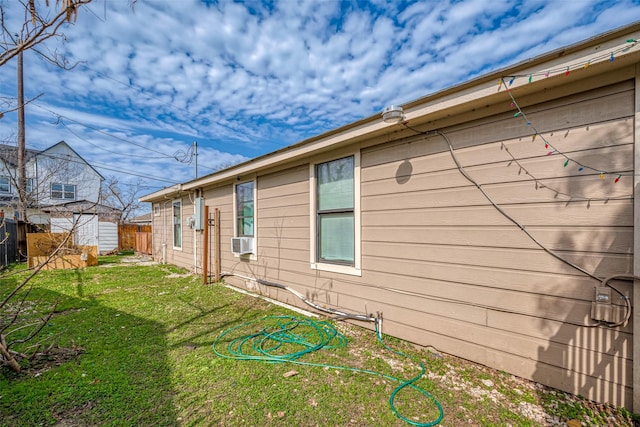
{"x": 286, "y": 339}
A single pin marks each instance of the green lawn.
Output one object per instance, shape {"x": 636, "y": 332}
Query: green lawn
{"x": 135, "y": 349}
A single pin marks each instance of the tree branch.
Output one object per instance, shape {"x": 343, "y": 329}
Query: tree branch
{"x": 38, "y": 29}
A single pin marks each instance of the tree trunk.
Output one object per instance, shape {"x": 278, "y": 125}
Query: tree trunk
{"x": 7, "y": 358}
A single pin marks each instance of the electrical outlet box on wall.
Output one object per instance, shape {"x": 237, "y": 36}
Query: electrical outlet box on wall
{"x": 198, "y": 214}
{"x": 602, "y": 308}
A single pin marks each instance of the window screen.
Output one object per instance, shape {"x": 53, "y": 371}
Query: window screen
{"x": 335, "y": 211}
{"x": 245, "y": 209}
{"x": 177, "y": 224}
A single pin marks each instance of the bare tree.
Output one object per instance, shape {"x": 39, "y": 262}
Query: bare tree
{"x": 40, "y": 22}
{"x": 37, "y": 27}
{"x": 18, "y": 35}
{"x": 15, "y": 328}
{"x": 121, "y": 196}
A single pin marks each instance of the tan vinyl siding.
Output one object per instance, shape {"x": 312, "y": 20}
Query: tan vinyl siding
{"x": 222, "y": 199}
{"x": 466, "y": 280}
{"x": 163, "y": 234}
{"x": 282, "y": 226}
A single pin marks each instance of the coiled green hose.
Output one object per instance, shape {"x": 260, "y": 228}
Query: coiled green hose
{"x": 282, "y": 339}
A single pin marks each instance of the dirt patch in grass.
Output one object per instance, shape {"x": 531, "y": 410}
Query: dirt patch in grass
{"x": 73, "y": 417}
{"x": 129, "y": 260}
{"x": 53, "y": 356}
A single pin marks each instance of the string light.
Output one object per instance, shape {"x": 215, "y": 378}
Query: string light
{"x": 550, "y": 147}
{"x": 520, "y": 113}
{"x": 572, "y": 197}
{"x": 566, "y": 70}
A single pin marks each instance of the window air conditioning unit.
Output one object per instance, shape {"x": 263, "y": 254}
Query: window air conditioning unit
{"x": 242, "y": 245}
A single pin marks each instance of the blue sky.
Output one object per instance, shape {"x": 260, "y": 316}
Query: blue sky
{"x": 244, "y": 79}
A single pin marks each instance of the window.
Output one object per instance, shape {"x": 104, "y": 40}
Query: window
{"x": 245, "y": 206}
{"x": 156, "y": 209}
{"x": 29, "y": 185}
{"x": 63, "y": 191}
{"x": 177, "y": 224}
{"x": 5, "y": 184}
{"x": 335, "y": 212}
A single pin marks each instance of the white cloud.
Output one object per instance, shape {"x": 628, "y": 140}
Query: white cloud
{"x": 244, "y": 79}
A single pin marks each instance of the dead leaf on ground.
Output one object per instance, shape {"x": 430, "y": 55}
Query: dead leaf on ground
{"x": 290, "y": 374}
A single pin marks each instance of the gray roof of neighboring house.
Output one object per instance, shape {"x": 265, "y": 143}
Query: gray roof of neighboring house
{"x": 148, "y": 217}
{"x": 9, "y": 154}
{"x": 81, "y": 206}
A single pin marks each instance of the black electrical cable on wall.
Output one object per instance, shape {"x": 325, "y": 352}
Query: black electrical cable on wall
{"x": 604, "y": 282}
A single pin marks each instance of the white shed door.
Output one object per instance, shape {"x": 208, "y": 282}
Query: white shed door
{"x": 86, "y": 232}
{"x": 108, "y": 233}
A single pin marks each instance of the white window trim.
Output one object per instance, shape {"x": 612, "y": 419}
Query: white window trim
{"x": 182, "y": 228}
{"x": 254, "y": 255}
{"x": 354, "y": 270}
{"x": 63, "y": 191}
{"x": 8, "y": 184}
{"x": 156, "y": 209}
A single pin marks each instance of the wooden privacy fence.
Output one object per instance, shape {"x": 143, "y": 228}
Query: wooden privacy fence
{"x": 143, "y": 242}
{"x": 8, "y": 242}
{"x": 127, "y": 238}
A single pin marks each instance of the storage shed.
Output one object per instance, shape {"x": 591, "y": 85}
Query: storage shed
{"x": 92, "y": 224}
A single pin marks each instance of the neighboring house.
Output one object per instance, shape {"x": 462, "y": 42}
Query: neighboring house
{"x": 454, "y": 222}
{"x": 141, "y": 220}
{"x": 61, "y": 185}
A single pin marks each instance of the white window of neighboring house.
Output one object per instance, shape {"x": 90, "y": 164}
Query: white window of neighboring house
{"x": 245, "y": 209}
{"x": 29, "y": 185}
{"x": 63, "y": 191}
{"x": 5, "y": 184}
{"x": 156, "y": 209}
{"x": 177, "y": 224}
{"x": 336, "y": 225}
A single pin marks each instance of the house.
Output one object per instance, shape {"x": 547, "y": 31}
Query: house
{"x": 62, "y": 189}
{"x": 142, "y": 220}
{"x": 482, "y": 220}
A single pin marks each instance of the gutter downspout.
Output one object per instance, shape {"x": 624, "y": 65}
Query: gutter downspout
{"x": 636, "y": 251}
{"x": 164, "y": 227}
